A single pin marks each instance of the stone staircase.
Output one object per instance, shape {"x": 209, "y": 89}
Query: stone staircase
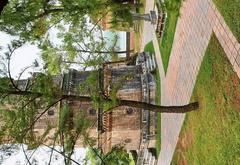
{"x": 147, "y": 158}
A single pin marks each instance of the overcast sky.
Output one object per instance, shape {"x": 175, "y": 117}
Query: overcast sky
{"x": 22, "y": 58}
{"x": 27, "y": 54}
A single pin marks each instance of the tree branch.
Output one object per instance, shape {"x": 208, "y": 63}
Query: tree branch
{"x": 62, "y": 154}
{"x": 24, "y": 152}
{"x": 131, "y": 103}
{"x": 105, "y": 52}
{"x": 50, "y": 159}
{"x": 9, "y": 72}
{"x": 37, "y": 118}
{"x": 160, "y": 109}
{"x": 48, "y": 107}
{"x": 96, "y": 153}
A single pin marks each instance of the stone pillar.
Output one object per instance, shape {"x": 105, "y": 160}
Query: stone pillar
{"x": 151, "y": 17}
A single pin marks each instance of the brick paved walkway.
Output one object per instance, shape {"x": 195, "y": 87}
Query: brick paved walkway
{"x": 197, "y": 21}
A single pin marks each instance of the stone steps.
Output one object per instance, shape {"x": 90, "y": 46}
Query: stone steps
{"x": 147, "y": 158}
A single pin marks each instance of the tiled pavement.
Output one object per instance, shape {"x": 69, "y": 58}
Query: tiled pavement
{"x": 197, "y": 21}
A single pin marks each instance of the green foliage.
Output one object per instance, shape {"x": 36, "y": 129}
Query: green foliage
{"x": 69, "y": 143}
{"x": 31, "y": 19}
{"x": 117, "y": 155}
{"x": 16, "y": 122}
{"x": 149, "y": 47}
{"x": 80, "y": 40}
{"x": 5, "y": 84}
{"x": 74, "y": 128}
{"x": 158, "y": 102}
{"x": 92, "y": 157}
{"x": 51, "y": 58}
{"x": 172, "y": 5}
{"x": 37, "y": 140}
{"x": 115, "y": 87}
{"x": 64, "y": 116}
{"x": 19, "y": 112}
{"x": 230, "y": 12}
{"x": 123, "y": 15}
{"x": 81, "y": 125}
{"x": 93, "y": 86}
{"x": 45, "y": 85}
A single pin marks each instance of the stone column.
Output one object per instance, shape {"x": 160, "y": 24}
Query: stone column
{"x": 151, "y": 17}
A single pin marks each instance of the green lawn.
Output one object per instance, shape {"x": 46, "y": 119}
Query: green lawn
{"x": 142, "y": 6}
{"x": 230, "y": 10}
{"x": 211, "y": 135}
{"x": 169, "y": 31}
{"x": 150, "y": 48}
{"x": 138, "y": 33}
{"x": 158, "y": 102}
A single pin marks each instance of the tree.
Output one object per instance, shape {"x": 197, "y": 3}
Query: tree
{"x": 75, "y": 50}
{"x": 23, "y": 104}
{"x": 81, "y": 37}
{"x": 2, "y": 5}
{"x": 32, "y": 19}
{"x": 117, "y": 155}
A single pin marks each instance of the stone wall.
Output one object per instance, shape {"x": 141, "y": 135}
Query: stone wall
{"x": 123, "y": 124}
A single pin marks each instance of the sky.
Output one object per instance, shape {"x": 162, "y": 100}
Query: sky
{"x": 39, "y": 156}
{"x": 23, "y": 57}
{"x": 27, "y": 54}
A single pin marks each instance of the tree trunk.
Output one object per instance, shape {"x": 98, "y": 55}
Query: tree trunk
{"x": 160, "y": 109}
{"x": 101, "y": 52}
{"x": 21, "y": 93}
{"x": 126, "y": 60}
{"x": 130, "y": 103}
{"x": 3, "y": 3}
{"x": 143, "y": 105}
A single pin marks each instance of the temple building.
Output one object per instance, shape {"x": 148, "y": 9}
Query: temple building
{"x": 132, "y": 126}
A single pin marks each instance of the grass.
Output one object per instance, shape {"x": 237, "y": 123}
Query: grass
{"x": 172, "y": 9}
{"x": 141, "y": 8}
{"x": 158, "y": 102}
{"x": 137, "y": 34}
{"x": 211, "y": 135}
{"x": 150, "y": 48}
{"x": 142, "y": 11}
{"x": 137, "y": 41}
{"x": 230, "y": 11}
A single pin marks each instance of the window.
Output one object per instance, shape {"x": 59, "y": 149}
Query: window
{"x": 92, "y": 112}
{"x": 129, "y": 111}
{"x": 128, "y": 140}
{"x": 50, "y": 112}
